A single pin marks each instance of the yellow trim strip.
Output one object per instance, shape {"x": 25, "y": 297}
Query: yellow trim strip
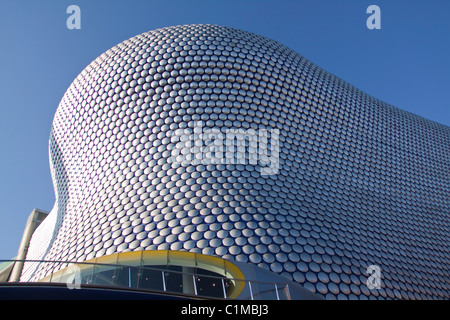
{"x": 165, "y": 257}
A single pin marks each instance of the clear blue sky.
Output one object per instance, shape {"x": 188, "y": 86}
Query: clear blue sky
{"x": 405, "y": 63}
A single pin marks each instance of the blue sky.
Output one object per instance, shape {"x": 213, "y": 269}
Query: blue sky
{"x": 405, "y": 63}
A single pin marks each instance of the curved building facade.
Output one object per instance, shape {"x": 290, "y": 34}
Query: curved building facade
{"x": 211, "y": 140}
